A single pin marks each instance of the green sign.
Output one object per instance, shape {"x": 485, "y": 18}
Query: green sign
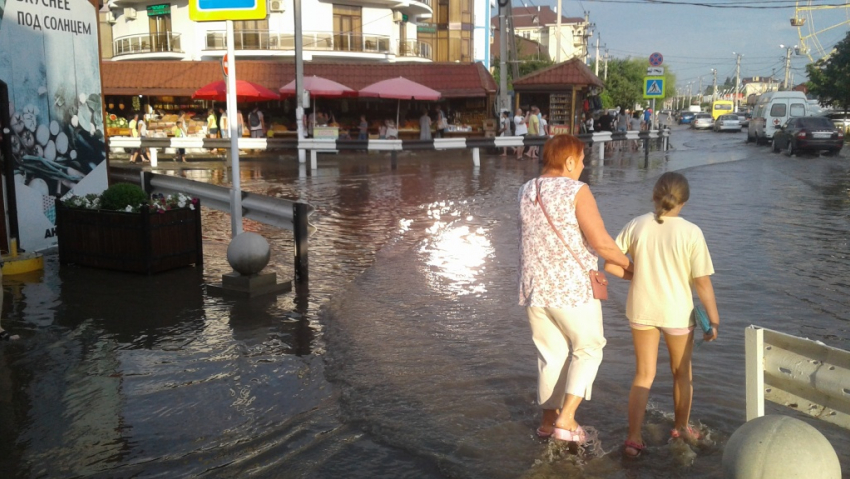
{"x": 423, "y": 29}
{"x": 157, "y": 10}
{"x": 404, "y": 17}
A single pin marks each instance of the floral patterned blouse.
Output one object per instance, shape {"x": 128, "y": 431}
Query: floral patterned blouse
{"x": 549, "y": 276}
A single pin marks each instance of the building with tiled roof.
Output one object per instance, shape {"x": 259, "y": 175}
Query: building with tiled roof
{"x": 539, "y": 24}
{"x": 452, "y": 80}
{"x": 359, "y": 30}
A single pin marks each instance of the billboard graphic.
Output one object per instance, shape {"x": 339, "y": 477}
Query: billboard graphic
{"x": 50, "y": 64}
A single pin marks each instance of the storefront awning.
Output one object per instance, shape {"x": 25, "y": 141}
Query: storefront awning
{"x": 177, "y": 78}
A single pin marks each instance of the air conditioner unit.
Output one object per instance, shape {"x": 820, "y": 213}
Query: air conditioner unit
{"x": 130, "y": 13}
{"x": 110, "y": 18}
{"x": 276, "y": 6}
{"x": 397, "y": 17}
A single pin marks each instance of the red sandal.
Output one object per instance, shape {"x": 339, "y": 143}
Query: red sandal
{"x": 633, "y": 445}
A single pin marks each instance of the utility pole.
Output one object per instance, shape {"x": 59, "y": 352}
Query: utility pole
{"x": 558, "y": 32}
{"x": 737, "y": 77}
{"x": 788, "y": 50}
{"x": 699, "y": 93}
{"x": 503, "y": 57}
{"x": 596, "y": 70}
{"x": 605, "y": 75}
{"x": 714, "y": 86}
{"x": 512, "y": 44}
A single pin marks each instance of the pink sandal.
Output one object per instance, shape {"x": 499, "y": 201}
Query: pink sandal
{"x": 543, "y": 434}
{"x": 577, "y": 436}
{"x": 692, "y": 434}
{"x": 633, "y": 445}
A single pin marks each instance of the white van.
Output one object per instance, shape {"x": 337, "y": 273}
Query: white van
{"x": 772, "y": 110}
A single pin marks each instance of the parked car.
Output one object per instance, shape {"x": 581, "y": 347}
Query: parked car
{"x": 840, "y": 119}
{"x": 727, "y": 123}
{"x": 686, "y": 117}
{"x": 702, "y": 121}
{"x": 811, "y": 133}
{"x": 744, "y": 118}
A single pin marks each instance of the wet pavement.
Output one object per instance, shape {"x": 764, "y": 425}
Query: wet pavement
{"x": 406, "y": 356}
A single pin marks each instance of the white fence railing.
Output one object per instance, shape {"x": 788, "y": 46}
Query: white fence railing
{"x": 801, "y": 374}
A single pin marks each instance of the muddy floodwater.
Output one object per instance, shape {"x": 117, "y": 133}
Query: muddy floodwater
{"x": 407, "y": 355}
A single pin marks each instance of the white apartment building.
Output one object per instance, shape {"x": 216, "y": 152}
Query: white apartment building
{"x": 540, "y": 24}
{"x": 355, "y": 30}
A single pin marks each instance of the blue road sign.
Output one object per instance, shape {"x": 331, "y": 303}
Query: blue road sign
{"x": 653, "y": 87}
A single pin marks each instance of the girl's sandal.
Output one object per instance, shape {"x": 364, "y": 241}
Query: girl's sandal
{"x": 637, "y": 448}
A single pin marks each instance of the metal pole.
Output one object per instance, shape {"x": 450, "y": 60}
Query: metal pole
{"x": 558, "y": 32}
{"x": 236, "y": 187}
{"x": 503, "y": 58}
{"x": 714, "y": 86}
{"x": 299, "y": 77}
{"x": 737, "y": 79}
{"x": 596, "y": 70}
{"x": 300, "y": 229}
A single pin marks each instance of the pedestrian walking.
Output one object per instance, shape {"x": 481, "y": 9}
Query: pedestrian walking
{"x": 520, "y": 129}
{"x": 256, "y": 123}
{"x": 424, "y": 126}
{"x": 560, "y": 223}
{"x": 669, "y": 255}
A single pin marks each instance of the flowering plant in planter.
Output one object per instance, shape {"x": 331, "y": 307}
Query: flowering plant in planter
{"x": 125, "y": 229}
{"x": 129, "y": 199}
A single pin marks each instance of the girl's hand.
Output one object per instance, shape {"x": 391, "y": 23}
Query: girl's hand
{"x": 709, "y": 337}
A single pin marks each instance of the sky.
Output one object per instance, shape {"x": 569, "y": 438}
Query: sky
{"x": 695, "y": 39}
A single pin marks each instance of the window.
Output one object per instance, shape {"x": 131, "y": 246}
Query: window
{"x": 159, "y": 23}
{"x": 251, "y": 34}
{"x": 778, "y": 109}
{"x": 348, "y": 22}
{"x": 798, "y": 109}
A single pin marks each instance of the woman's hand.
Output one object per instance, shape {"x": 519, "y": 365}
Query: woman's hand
{"x": 591, "y": 225}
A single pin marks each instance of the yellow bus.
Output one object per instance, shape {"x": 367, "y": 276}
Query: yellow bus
{"x": 721, "y": 107}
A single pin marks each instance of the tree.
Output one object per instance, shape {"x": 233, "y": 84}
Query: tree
{"x": 829, "y": 78}
{"x": 624, "y": 86}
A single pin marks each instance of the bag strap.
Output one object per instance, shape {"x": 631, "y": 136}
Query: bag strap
{"x": 539, "y": 201}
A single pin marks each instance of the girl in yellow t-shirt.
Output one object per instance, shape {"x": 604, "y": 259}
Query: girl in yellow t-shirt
{"x": 669, "y": 254}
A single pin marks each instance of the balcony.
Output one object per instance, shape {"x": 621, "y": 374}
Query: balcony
{"x": 329, "y": 42}
{"x": 415, "y": 49}
{"x": 147, "y": 43}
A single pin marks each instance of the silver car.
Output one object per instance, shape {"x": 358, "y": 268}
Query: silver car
{"x": 702, "y": 121}
{"x": 727, "y": 123}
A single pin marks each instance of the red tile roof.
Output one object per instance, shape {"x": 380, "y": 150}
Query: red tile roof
{"x": 176, "y": 78}
{"x": 571, "y": 72}
{"x": 524, "y": 17}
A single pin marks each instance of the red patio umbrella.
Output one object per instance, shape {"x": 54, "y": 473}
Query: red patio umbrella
{"x": 400, "y": 89}
{"x": 318, "y": 86}
{"x": 245, "y": 91}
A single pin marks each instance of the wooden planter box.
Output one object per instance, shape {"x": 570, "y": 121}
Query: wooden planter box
{"x": 142, "y": 242}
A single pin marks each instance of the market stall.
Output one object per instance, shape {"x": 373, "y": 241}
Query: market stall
{"x": 559, "y": 91}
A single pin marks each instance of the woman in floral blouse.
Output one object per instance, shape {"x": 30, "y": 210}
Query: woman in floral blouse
{"x": 565, "y": 319}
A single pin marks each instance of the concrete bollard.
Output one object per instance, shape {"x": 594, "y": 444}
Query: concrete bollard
{"x": 779, "y": 447}
{"x": 314, "y": 162}
{"x": 476, "y": 157}
{"x": 248, "y": 253}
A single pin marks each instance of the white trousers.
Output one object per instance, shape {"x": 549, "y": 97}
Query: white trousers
{"x": 569, "y": 350}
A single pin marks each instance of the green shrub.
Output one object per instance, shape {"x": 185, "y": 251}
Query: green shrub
{"x": 121, "y": 195}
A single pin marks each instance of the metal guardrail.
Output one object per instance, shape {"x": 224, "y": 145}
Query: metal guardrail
{"x": 798, "y": 373}
{"x": 278, "y": 212}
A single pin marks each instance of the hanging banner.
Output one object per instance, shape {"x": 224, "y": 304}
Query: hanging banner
{"x": 50, "y": 67}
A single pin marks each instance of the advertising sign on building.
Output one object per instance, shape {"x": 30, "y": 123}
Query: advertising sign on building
{"x": 51, "y": 113}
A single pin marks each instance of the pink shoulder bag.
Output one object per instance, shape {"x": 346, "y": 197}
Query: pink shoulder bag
{"x": 598, "y": 282}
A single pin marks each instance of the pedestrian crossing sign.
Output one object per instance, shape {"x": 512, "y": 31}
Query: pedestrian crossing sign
{"x": 653, "y": 87}
{"x": 217, "y": 10}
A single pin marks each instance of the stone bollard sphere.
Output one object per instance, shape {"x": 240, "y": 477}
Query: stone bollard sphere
{"x": 248, "y": 253}
{"x": 779, "y": 447}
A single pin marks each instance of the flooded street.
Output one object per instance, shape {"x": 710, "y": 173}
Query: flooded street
{"x": 407, "y": 355}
